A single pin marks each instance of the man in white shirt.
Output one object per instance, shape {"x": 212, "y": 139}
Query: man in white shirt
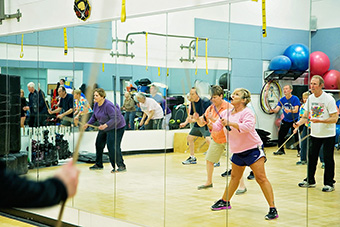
{"x": 323, "y": 113}
{"x": 152, "y": 110}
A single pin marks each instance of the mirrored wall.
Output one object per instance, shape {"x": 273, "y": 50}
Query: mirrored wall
{"x": 175, "y": 49}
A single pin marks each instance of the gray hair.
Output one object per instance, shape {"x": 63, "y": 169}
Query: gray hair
{"x": 289, "y": 85}
{"x": 321, "y": 81}
{"x": 155, "y": 87}
{"x": 31, "y": 84}
{"x": 140, "y": 95}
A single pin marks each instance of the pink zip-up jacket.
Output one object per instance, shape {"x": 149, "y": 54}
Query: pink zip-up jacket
{"x": 246, "y": 137}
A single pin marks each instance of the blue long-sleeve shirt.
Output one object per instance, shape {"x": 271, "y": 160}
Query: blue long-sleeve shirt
{"x": 108, "y": 114}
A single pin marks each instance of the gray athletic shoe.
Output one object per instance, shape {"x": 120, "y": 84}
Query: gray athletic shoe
{"x": 189, "y": 161}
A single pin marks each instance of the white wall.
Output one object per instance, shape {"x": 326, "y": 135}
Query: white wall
{"x": 38, "y": 15}
{"x": 54, "y": 75}
{"x": 327, "y": 13}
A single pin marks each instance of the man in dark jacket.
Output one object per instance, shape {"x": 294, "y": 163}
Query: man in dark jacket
{"x": 37, "y": 105}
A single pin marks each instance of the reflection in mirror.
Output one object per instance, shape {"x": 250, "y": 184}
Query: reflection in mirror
{"x": 239, "y": 39}
{"x": 142, "y": 186}
{"x": 324, "y": 61}
{"x": 230, "y": 45}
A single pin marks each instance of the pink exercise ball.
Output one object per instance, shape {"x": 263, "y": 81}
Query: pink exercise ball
{"x": 332, "y": 79}
{"x": 305, "y": 75}
{"x": 278, "y": 122}
{"x": 319, "y": 63}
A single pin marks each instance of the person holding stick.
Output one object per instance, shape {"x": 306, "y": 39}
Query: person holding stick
{"x": 23, "y": 193}
{"x": 65, "y": 106}
{"x": 198, "y": 108}
{"x": 290, "y": 105}
{"x": 111, "y": 131}
{"x": 218, "y": 142}
{"x": 323, "y": 112}
{"x": 81, "y": 106}
{"x": 246, "y": 146}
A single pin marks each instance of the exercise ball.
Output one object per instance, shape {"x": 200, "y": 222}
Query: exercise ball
{"x": 332, "y": 79}
{"x": 319, "y": 63}
{"x": 337, "y": 130}
{"x": 278, "y": 122}
{"x": 280, "y": 62}
{"x": 299, "y": 55}
{"x": 306, "y": 82}
{"x": 223, "y": 81}
{"x": 338, "y": 103}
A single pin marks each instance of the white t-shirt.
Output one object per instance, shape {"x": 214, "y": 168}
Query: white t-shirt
{"x": 321, "y": 108}
{"x": 151, "y": 104}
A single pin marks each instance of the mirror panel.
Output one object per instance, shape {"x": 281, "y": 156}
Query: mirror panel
{"x": 158, "y": 182}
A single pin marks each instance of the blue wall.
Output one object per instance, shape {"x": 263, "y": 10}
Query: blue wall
{"x": 81, "y": 36}
{"x": 328, "y": 41}
{"x": 248, "y": 49}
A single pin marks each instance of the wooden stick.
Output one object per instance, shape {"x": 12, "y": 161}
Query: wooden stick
{"x": 183, "y": 87}
{"x": 298, "y": 142}
{"x": 89, "y": 94}
{"x": 285, "y": 142}
{"x": 93, "y": 126}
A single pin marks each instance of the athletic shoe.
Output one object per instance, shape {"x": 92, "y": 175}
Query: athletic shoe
{"x": 272, "y": 214}
{"x": 221, "y": 205}
{"x": 95, "y": 167}
{"x": 328, "y": 188}
{"x": 226, "y": 173}
{"x": 120, "y": 169}
{"x": 217, "y": 164}
{"x": 204, "y": 186}
{"x": 240, "y": 191}
{"x": 189, "y": 161}
{"x": 251, "y": 176}
{"x": 279, "y": 152}
{"x": 301, "y": 163}
{"x": 305, "y": 184}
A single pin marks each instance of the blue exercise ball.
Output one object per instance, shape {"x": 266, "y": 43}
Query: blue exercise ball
{"x": 337, "y": 131}
{"x": 338, "y": 103}
{"x": 299, "y": 56}
{"x": 280, "y": 62}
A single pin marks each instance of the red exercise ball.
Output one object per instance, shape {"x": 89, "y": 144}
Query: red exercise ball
{"x": 332, "y": 79}
{"x": 278, "y": 122}
{"x": 305, "y": 75}
{"x": 319, "y": 63}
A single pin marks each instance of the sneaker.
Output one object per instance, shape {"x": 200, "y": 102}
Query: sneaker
{"x": 279, "y": 152}
{"x": 240, "y": 191}
{"x": 272, "y": 214}
{"x": 301, "y": 163}
{"x": 251, "y": 176}
{"x": 305, "y": 184}
{"x": 226, "y": 173}
{"x": 204, "y": 186}
{"x": 121, "y": 169}
{"x": 189, "y": 161}
{"x": 327, "y": 188}
{"x": 95, "y": 167}
{"x": 221, "y": 205}
{"x": 217, "y": 164}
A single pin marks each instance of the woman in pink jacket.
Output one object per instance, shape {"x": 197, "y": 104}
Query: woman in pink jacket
{"x": 246, "y": 146}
